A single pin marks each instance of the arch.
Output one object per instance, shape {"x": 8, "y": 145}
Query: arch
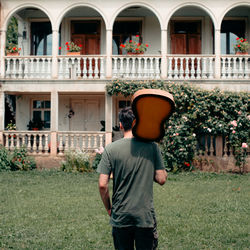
{"x": 190, "y": 4}
{"x": 125, "y": 6}
{"x": 232, "y": 6}
{"x": 23, "y": 6}
{"x": 72, "y": 6}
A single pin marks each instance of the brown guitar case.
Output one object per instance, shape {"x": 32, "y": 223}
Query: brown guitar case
{"x": 151, "y": 107}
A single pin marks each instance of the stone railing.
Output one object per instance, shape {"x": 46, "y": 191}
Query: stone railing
{"x": 235, "y": 67}
{"x": 80, "y": 140}
{"x": 31, "y": 67}
{"x": 85, "y": 67}
{"x": 136, "y": 67}
{"x": 190, "y": 67}
{"x": 36, "y": 142}
{"x": 214, "y": 153}
{"x": 40, "y": 142}
{"x": 81, "y": 67}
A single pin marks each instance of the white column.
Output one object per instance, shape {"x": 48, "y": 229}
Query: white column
{"x": 54, "y": 111}
{"x": 108, "y": 119}
{"x": 217, "y": 51}
{"x": 55, "y": 48}
{"x": 54, "y": 122}
{"x": 109, "y": 53}
{"x": 164, "y": 54}
{"x": 2, "y": 112}
{"x": 2, "y": 52}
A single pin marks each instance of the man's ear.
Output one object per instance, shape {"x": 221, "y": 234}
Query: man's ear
{"x": 120, "y": 124}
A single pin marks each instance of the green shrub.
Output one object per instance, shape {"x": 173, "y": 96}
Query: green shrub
{"x": 4, "y": 159}
{"x": 16, "y": 160}
{"x": 76, "y": 161}
{"x": 21, "y": 161}
{"x": 198, "y": 112}
{"x": 98, "y": 157}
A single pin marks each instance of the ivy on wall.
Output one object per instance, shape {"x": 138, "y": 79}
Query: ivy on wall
{"x": 198, "y": 112}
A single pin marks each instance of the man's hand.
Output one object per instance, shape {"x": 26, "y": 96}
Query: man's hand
{"x": 104, "y": 191}
{"x": 160, "y": 176}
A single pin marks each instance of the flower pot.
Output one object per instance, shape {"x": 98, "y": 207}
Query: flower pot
{"x": 241, "y": 53}
{"x": 73, "y": 53}
{"x": 13, "y": 54}
{"x": 133, "y": 53}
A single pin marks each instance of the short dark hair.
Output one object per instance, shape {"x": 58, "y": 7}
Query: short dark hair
{"x": 126, "y": 117}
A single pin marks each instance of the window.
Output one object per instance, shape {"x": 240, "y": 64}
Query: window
{"x": 41, "y": 110}
{"x": 124, "y": 31}
{"x": 41, "y": 38}
{"x": 230, "y": 30}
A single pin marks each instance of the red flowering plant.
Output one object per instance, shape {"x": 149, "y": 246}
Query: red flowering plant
{"x": 134, "y": 46}
{"x": 12, "y": 48}
{"x": 241, "y": 45}
{"x": 72, "y": 47}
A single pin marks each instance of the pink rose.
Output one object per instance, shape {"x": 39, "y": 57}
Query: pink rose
{"x": 234, "y": 123}
{"x": 244, "y": 145}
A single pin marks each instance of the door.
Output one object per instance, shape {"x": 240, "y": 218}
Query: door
{"x": 90, "y": 46}
{"x": 86, "y": 115}
{"x": 178, "y": 44}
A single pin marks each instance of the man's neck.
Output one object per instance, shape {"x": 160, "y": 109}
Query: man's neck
{"x": 128, "y": 134}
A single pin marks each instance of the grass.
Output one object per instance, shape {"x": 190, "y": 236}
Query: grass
{"x": 57, "y": 210}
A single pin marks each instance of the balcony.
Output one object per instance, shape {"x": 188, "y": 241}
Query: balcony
{"x": 136, "y": 67}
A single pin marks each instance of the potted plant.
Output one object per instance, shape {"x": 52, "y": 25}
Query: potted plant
{"x": 11, "y": 126}
{"x": 241, "y": 46}
{"x": 72, "y": 48}
{"x": 134, "y": 47}
{"x": 12, "y": 50}
{"x": 35, "y": 124}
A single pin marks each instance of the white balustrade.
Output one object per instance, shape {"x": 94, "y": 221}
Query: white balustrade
{"x": 32, "y": 67}
{"x": 235, "y": 67}
{"x": 81, "y": 67}
{"x": 36, "y": 142}
{"x": 190, "y": 67}
{"x": 179, "y": 67}
{"x": 136, "y": 67}
{"x": 83, "y": 140}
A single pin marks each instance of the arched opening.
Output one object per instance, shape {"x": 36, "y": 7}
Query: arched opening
{"x": 85, "y": 27}
{"x": 139, "y": 25}
{"x": 235, "y": 24}
{"x": 29, "y": 30}
{"x": 191, "y": 31}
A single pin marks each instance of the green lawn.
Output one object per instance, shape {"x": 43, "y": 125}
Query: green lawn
{"x": 57, "y": 210}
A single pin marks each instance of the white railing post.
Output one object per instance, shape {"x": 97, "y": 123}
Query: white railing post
{"x": 108, "y": 119}
{"x": 2, "y": 52}
{"x": 109, "y": 39}
{"x": 164, "y": 66}
{"x": 217, "y": 49}
{"x": 55, "y": 39}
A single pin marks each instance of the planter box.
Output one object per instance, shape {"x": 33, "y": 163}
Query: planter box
{"x": 73, "y": 53}
{"x": 13, "y": 54}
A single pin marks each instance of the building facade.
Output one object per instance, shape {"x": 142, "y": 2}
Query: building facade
{"x": 187, "y": 41}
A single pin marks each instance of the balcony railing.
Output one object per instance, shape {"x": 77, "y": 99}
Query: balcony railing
{"x": 28, "y": 67}
{"x": 81, "y": 67}
{"x": 39, "y": 142}
{"x": 178, "y": 67}
{"x": 235, "y": 67}
{"x": 136, "y": 67}
{"x": 191, "y": 67}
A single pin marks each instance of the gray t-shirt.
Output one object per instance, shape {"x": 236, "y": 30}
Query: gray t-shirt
{"x": 133, "y": 164}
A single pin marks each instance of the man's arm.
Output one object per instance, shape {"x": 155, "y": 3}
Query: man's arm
{"x": 160, "y": 176}
{"x": 104, "y": 191}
